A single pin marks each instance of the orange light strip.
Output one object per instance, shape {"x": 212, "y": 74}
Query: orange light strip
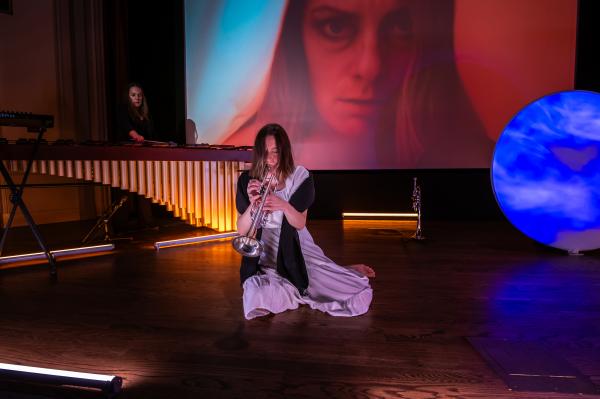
{"x": 379, "y": 215}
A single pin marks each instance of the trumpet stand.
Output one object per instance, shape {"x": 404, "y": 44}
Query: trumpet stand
{"x": 416, "y": 203}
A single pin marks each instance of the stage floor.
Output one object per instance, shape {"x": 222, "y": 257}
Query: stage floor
{"x": 170, "y": 322}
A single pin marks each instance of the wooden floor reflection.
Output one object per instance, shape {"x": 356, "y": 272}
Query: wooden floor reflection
{"x": 170, "y": 322}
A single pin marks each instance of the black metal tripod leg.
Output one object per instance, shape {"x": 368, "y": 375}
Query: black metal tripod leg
{"x": 16, "y": 193}
{"x": 8, "y": 224}
{"x": 18, "y": 201}
{"x": 13, "y": 189}
{"x": 38, "y": 235}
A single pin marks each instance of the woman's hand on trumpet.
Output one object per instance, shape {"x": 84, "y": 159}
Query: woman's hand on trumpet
{"x": 294, "y": 218}
{"x": 253, "y": 190}
{"x": 275, "y": 203}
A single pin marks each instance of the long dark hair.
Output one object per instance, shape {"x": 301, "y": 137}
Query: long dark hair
{"x": 141, "y": 113}
{"x": 285, "y": 166}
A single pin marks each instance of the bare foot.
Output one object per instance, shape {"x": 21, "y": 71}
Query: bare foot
{"x": 363, "y": 269}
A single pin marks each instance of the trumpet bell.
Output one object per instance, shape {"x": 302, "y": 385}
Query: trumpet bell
{"x": 247, "y": 246}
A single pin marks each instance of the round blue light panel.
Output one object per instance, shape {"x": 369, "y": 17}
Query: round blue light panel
{"x": 546, "y": 170}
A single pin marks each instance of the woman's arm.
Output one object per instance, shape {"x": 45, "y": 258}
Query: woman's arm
{"x": 295, "y": 218}
{"x": 245, "y": 219}
{"x": 136, "y": 136}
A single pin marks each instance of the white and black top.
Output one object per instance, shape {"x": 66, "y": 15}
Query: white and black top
{"x": 332, "y": 288}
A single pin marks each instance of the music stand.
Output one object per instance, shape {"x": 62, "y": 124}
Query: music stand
{"x": 16, "y": 198}
{"x": 102, "y": 223}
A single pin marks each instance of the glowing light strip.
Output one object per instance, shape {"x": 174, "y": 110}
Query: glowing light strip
{"x": 109, "y": 384}
{"x": 55, "y": 372}
{"x": 390, "y": 215}
{"x": 57, "y": 254}
{"x": 193, "y": 240}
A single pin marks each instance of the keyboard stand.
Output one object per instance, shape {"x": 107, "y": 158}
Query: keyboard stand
{"x": 16, "y": 198}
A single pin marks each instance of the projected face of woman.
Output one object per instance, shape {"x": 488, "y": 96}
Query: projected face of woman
{"x": 357, "y": 53}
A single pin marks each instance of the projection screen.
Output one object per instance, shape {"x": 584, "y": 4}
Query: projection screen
{"x": 382, "y": 84}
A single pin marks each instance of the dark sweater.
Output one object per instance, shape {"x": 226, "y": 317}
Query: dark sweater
{"x": 126, "y": 123}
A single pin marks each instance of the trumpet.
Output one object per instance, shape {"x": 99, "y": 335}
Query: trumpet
{"x": 249, "y": 245}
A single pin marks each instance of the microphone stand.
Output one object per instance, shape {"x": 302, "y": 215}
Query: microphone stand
{"x": 102, "y": 223}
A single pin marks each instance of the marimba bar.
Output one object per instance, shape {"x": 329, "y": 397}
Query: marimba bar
{"x": 198, "y": 184}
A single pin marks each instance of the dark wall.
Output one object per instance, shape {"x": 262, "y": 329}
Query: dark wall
{"x": 154, "y": 48}
{"x": 464, "y": 194}
{"x": 156, "y": 45}
{"x": 587, "y": 68}
{"x": 145, "y": 44}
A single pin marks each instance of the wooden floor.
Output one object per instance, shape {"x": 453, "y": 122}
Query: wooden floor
{"x": 171, "y": 323}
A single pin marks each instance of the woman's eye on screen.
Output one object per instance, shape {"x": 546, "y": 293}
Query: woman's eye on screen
{"x": 396, "y": 28}
{"x": 336, "y": 29}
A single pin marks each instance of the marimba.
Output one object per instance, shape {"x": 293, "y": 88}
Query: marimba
{"x": 196, "y": 183}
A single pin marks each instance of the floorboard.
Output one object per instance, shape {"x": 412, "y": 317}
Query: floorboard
{"x": 170, "y": 322}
